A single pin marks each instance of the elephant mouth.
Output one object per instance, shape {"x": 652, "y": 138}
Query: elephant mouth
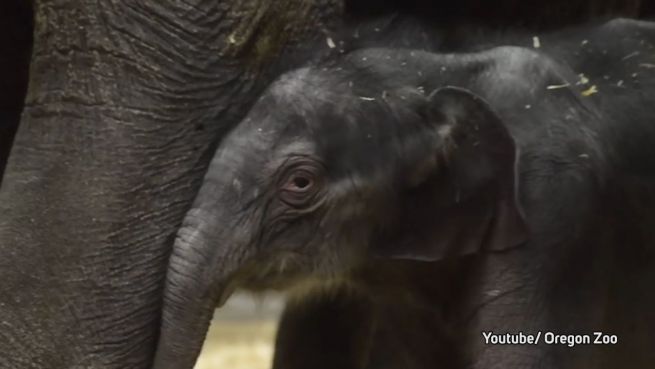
{"x": 225, "y": 294}
{"x": 192, "y": 297}
{"x": 282, "y": 272}
{"x": 279, "y": 272}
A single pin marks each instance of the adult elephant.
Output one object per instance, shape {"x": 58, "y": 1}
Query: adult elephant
{"x": 126, "y": 102}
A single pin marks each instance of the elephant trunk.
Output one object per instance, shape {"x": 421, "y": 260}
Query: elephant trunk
{"x": 198, "y": 280}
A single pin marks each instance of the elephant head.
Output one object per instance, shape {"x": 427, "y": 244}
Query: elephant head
{"x": 328, "y": 172}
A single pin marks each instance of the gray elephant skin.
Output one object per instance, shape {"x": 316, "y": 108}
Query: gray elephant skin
{"x": 412, "y": 200}
{"x": 125, "y": 104}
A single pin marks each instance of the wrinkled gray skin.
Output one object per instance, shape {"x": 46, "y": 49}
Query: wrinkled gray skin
{"x": 126, "y": 102}
{"x": 341, "y": 169}
{"x": 125, "y": 105}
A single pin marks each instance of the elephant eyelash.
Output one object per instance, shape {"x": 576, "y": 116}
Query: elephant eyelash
{"x": 282, "y": 168}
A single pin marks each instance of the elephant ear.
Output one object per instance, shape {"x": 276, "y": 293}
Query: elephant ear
{"x": 462, "y": 197}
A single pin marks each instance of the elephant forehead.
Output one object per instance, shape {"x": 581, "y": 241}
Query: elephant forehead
{"x": 292, "y": 84}
{"x": 303, "y": 88}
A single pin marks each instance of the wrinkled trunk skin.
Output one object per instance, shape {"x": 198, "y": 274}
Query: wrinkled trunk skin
{"x": 126, "y": 102}
{"x": 186, "y": 316}
{"x": 185, "y": 321}
{"x": 198, "y": 279}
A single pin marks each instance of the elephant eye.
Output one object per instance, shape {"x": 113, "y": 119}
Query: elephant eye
{"x": 300, "y": 185}
{"x": 301, "y": 182}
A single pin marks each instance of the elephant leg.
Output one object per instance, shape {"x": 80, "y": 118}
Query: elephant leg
{"x": 332, "y": 330}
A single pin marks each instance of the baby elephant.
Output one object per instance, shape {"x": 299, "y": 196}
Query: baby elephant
{"x": 490, "y": 191}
